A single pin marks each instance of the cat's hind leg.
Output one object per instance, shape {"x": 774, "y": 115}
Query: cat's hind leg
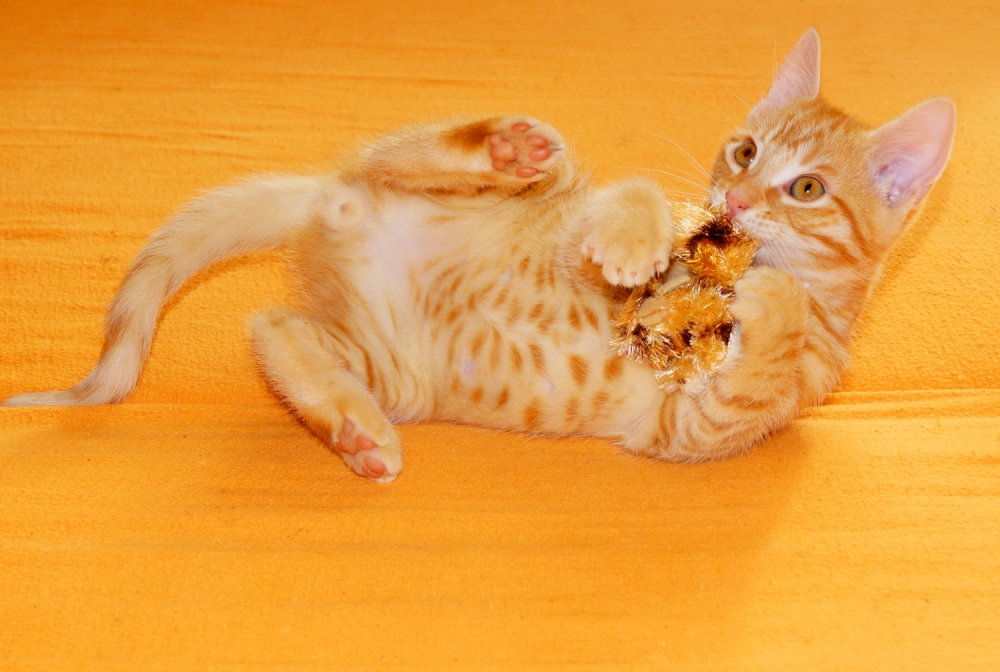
{"x": 505, "y": 153}
{"x": 302, "y": 367}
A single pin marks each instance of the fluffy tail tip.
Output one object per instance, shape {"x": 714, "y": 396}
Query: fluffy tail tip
{"x": 57, "y": 398}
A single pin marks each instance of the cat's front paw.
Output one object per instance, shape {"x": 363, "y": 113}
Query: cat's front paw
{"x": 631, "y": 233}
{"x": 625, "y": 262}
{"x": 771, "y": 308}
{"x": 525, "y": 148}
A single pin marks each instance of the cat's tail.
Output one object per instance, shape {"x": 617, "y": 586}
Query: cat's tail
{"x": 257, "y": 214}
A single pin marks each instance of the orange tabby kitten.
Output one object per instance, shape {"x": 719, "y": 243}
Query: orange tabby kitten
{"x": 464, "y": 272}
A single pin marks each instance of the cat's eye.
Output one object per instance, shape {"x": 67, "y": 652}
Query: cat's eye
{"x": 745, "y": 153}
{"x": 806, "y": 188}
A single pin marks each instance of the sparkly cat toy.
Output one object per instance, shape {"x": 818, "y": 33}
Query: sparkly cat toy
{"x": 679, "y": 322}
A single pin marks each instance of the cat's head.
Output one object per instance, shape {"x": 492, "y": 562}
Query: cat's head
{"x": 814, "y": 185}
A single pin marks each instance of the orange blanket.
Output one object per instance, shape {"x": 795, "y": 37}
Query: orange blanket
{"x": 200, "y": 526}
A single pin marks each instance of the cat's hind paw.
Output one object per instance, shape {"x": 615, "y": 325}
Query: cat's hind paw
{"x": 375, "y": 455}
{"x": 525, "y": 148}
{"x": 300, "y": 364}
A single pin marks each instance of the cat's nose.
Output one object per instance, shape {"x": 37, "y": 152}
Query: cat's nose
{"x": 737, "y": 202}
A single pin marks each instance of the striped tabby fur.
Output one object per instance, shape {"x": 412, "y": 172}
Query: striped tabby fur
{"x": 464, "y": 272}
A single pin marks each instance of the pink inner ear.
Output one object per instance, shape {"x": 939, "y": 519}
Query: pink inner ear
{"x": 912, "y": 151}
{"x": 798, "y": 76}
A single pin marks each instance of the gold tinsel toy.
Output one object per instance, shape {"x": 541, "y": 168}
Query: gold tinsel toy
{"x": 679, "y": 322}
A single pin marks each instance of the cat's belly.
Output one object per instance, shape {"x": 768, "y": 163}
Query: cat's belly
{"x": 458, "y": 320}
{"x": 518, "y": 347}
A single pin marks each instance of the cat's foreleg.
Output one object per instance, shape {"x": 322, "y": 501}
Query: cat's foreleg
{"x": 501, "y": 152}
{"x": 300, "y": 363}
{"x": 756, "y": 391}
{"x": 628, "y": 230}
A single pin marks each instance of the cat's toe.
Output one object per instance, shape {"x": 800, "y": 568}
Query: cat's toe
{"x": 381, "y": 464}
{"x": 625, "y": 276}
{"x": 625, "y": 265}
{"x": 525, "y": 148}
{"x": 380, "y": 461}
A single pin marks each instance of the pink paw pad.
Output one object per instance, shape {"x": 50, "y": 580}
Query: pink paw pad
{"x": 374, "y": 467}
{"x": 351, "y": 442}
{"x": 519, "y": 153}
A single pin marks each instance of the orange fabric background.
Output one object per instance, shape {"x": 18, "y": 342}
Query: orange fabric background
{"x": 199, "y": 526}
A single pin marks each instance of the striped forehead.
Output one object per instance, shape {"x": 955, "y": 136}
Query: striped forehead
{"x": 780, "y": 164}
{"x": 800, "y": 148}
{"x": 798, "y": 123}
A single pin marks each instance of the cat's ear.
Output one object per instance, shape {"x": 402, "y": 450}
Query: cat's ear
{"x": 911, "y": 152}
{"x": 797, "y": 78}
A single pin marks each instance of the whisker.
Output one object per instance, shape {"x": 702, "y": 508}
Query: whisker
{"x": 686, "y": 180}
{"x": 683, "y": 194}
{"x": 681, "y": 173}
{"x": 684, "y": 197}
{"x": 742, "y": 101}
{"x": 863, "y": 94}
{"x": 676, "y": 177}
{"x": 694, "y": 161}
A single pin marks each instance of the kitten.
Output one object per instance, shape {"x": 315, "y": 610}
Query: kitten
{"x": 465, "y": 272}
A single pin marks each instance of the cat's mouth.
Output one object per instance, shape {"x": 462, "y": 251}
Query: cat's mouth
{"x": 769, "y": 253}
{"x": 746, "y": 222}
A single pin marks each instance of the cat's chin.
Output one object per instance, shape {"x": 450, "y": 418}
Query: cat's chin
{"x": 769, "y": 255}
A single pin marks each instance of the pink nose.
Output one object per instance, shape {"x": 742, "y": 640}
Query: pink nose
{"x": 737, "y": 202}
